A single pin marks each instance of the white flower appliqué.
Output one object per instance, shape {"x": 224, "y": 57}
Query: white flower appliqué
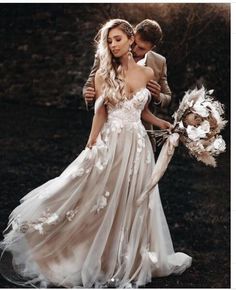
{"x": 39, "y": 227}
{"x": 99, "y": 165}
{"x": 52, "y": 219}
{"x": 101, "y": 202}
{"x": 71, "y": 214}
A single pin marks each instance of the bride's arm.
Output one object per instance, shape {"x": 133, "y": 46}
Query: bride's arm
{"x": 100, "y": 115}
{"x": 147, "y": 116}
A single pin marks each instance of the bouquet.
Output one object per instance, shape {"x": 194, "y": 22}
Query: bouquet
{"x": 197, "y": 125}
{"x": 198, "y": 121}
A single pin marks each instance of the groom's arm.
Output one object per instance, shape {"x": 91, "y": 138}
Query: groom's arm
{"x": 159, "y": 88}
{"x": 89, "y": 87}
{"x": 165, "y": 93}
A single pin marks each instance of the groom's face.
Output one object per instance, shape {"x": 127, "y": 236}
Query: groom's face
{"x": 140, "y": 47}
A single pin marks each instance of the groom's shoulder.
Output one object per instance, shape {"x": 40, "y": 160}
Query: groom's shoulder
{"x": 156, "y": 57}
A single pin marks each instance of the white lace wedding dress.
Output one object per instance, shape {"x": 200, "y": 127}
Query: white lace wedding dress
{"x": 84, "y": 228}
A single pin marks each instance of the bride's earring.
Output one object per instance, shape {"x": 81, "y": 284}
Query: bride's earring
{"x": 130, "y": 53}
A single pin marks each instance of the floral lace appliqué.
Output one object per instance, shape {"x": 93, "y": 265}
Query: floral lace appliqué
{"x": 71, "y": 214}
{"x": 101, "y": 202}
{"x": 42, "y": 224}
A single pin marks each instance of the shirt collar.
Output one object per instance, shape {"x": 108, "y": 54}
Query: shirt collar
{"x": 143, "y": 60}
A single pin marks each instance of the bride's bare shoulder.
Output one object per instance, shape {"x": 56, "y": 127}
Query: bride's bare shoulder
{"x": 148, "y": 72}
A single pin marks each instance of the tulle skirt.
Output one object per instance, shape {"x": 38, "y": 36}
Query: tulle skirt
{"x": 84, "y": 228}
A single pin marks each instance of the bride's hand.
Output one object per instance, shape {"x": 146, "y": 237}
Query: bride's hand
{"x": 166, "y": 125}
{"x": 90, "y": 143}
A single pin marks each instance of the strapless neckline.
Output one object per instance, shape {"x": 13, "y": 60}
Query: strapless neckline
{"x": 136, "y": 95}
{"x": 133, "y": 95}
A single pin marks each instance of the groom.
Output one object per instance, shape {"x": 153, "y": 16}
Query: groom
{"x": 148, "y": 34}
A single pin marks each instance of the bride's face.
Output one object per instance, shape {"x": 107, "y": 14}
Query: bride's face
{"x": 118, "y": 42}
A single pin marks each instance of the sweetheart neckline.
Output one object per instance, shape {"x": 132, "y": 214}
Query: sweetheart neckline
{"x": 127, "y": 100}
{"x": 135, "y": 93}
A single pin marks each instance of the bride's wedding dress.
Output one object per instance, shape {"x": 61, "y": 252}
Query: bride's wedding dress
{"x": 84, "y": 228}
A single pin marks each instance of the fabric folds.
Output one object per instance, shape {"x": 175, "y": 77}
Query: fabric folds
{"x": 84, "y": 227}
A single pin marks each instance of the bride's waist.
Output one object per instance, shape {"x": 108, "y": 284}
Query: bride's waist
{"x": 117, "y": 124}
{"x": 124, "y": 118}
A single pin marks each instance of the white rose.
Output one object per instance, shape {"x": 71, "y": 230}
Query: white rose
{"x": 194, "y": 133}
{"x": 205, "y": 126}
{"x": 219, "y": 144}
{"x": 201, "y": 110}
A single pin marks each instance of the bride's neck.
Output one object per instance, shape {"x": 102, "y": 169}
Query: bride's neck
{"x": 127, "y": 62}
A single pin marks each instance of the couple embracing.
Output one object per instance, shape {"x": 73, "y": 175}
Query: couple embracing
{"x": 147, "y": 36}
{"x": 85, "y": 228}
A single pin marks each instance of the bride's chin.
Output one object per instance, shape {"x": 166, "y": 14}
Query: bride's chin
{"x": 117, "y": 55}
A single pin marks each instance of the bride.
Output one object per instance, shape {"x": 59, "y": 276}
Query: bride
{"x": 85, "y": 228}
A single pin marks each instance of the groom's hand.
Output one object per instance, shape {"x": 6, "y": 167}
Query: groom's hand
{"x": 155, "y": 90}
{"x": 89, "y": 95}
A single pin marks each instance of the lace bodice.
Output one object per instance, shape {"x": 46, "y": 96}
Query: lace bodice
{"x": 128, "y": 110}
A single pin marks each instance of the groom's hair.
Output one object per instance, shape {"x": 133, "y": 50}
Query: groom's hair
{"x": 149, "y": 30}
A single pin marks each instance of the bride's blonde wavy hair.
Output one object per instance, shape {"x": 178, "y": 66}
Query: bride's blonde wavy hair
{"x": 110, "y": 69}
